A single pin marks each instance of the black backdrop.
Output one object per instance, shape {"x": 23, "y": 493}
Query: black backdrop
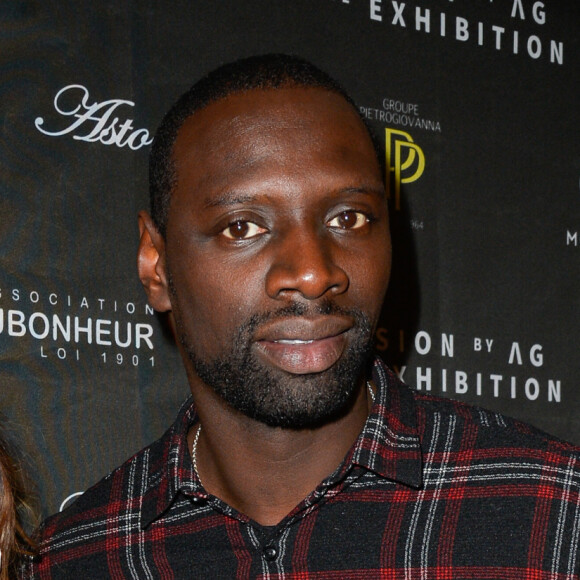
{"x": 477, "y": 104}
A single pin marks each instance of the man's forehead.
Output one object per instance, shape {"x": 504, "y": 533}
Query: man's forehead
{"x": 259, "y": 105}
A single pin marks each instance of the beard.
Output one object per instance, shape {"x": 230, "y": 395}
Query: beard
{"x": 275, "y": 397}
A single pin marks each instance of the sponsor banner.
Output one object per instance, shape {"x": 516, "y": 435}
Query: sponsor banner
{"x": 474, "y": 107}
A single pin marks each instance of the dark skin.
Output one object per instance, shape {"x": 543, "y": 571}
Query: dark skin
{"x": 279, "y": 200}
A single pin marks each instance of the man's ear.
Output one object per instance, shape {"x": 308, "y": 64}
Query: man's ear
{"x": 151, "y": 264}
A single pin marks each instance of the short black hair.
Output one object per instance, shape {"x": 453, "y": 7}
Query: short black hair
{"x": 269, "y": 71}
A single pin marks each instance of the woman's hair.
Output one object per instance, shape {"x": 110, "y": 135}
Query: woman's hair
{"x": 16, "y": 512}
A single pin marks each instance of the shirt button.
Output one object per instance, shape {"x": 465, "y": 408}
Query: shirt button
{"x": 270, "y": 553}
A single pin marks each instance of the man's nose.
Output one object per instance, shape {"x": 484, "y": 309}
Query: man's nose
{"x": 305, "y": 263}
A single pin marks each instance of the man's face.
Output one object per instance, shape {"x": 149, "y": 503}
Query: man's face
{"x": 277, "y": 252}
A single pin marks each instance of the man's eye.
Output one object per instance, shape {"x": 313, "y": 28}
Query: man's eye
{"x": 242, "y": 230}
{"x": 349, "y": 220}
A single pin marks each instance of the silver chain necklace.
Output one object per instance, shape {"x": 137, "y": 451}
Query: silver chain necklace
{"x": 194, "y": 454}
{"x": 371, "y": 392}
{"x": 196, "y": 438}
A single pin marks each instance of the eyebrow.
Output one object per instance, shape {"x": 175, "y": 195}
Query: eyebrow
{"x": 364, "y": 189}
{"x": 232, "y": 198}
{"x": 228, "y": 199}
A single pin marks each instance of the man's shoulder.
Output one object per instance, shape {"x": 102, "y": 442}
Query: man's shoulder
{"x": 134, "y": 489}
{"x": 125, "y": 483}
{"x": 458, "y": 425}
{"x": 139, "y": 474}
{"x": 77, "y": 535}
{"x": 487, "y": 429}
{"x": 116, "y": 508}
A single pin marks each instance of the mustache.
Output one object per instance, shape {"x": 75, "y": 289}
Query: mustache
{"x": 299, "y": 309}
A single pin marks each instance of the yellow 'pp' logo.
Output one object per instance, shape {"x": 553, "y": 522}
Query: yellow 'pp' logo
{"x": 405, "y": 161}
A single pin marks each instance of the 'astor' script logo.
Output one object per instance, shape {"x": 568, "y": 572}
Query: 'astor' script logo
{"x": 405, "y": 161}
{"x": 95, "y": 121}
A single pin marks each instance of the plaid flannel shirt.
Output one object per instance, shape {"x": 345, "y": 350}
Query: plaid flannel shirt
{"x": 432, "y": 488}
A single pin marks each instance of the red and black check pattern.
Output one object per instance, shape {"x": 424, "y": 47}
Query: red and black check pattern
{"x": 431, "y": 489}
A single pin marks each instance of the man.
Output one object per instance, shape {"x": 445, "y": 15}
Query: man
{"x": 302, "y": 456}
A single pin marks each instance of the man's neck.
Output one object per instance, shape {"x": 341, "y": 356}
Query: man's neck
{"x": 264, "y": 472}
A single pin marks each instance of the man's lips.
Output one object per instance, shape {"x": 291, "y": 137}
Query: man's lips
{"x": 302, "y": 345}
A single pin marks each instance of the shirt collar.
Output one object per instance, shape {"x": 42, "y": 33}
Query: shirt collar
{"x": 388, "y": 445}
{"x": 171, "y": 467}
